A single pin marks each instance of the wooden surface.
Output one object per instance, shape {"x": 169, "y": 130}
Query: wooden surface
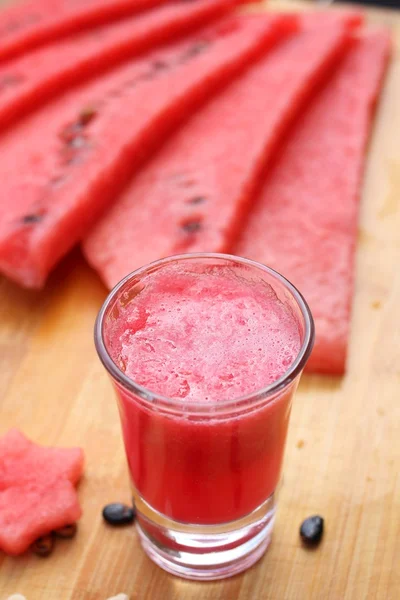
{"x": 343, "y": 452}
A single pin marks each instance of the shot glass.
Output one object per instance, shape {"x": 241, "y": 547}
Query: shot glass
{"x": 204, "y": 473}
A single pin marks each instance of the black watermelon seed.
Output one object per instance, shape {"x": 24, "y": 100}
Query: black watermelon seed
{"x": 118, "y": 514}
{"x": 70, "y": 132}
{"x": 197, "y": 48}
{"x": 196, "y": 200}
{"x": 67, "y": 532}
{"x": 194, "y": 50}
{"x": 159, "y": 65}
{"x": 57, "y": 180}
{"x": 29, "y": 219}
{"x": 191, "y": 226}
{"x": 87, "y": 115}
{"x": 311, "y": 530}
{"x": 43, "y": 545}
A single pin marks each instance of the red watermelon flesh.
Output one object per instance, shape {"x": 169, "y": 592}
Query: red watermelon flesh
{"x": 30, "y": 24}
{"x": 27, "y": 81}
{"x": 67, "y": 162}
{"x": 37, "y": 490}
{"x": 304, "y": 223}
{"x": 193, "y": 196}
{"x": 350, "y": 17}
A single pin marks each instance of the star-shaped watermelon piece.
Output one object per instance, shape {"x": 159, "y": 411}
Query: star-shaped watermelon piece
{"x": 37, "y": 490}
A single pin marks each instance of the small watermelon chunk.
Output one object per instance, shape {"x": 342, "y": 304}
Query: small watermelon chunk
{"x": 304, "y": 223}
{"x": 27, "y": 81}
{"x": 27, "y": 25}
{"x": 37, "y": 490}
{"x": 194, "y": 195}
{"x": 67, "y": 162}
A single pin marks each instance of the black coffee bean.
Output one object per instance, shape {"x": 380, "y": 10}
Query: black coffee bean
{"x": 311, "y": 530}
{"x": 118, "y": 514}
{"x": 43, "y": 545}
{"x": 67, "y": 532}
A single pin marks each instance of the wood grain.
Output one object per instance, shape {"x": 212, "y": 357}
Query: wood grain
{"x": 343, "y": 451}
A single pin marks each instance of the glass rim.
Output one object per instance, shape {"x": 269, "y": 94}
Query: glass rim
{"x": 146, "y": 394}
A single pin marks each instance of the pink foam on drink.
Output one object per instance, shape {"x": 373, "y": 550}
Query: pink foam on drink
{"x": 206, "y": 334}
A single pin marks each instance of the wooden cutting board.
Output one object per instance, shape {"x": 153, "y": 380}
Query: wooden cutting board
{"x": 343, "y": 452}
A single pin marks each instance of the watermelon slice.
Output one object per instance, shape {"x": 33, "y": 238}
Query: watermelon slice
{"x": 29, "y": 24}
{"x": 195, "y": 193}
{"x": 305, "y": 222}
{"x": 27, "y": 81}
{"x": 37, "y": 490}
{"x": 67, "y": 162}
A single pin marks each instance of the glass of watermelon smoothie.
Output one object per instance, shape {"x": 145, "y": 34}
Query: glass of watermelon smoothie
{"x": 205, "y": 352}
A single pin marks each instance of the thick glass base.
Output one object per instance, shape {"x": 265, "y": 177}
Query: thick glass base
{"x": 205, "y": 552}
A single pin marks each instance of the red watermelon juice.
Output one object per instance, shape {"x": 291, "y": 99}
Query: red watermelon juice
{"x": 205, "y": 352}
